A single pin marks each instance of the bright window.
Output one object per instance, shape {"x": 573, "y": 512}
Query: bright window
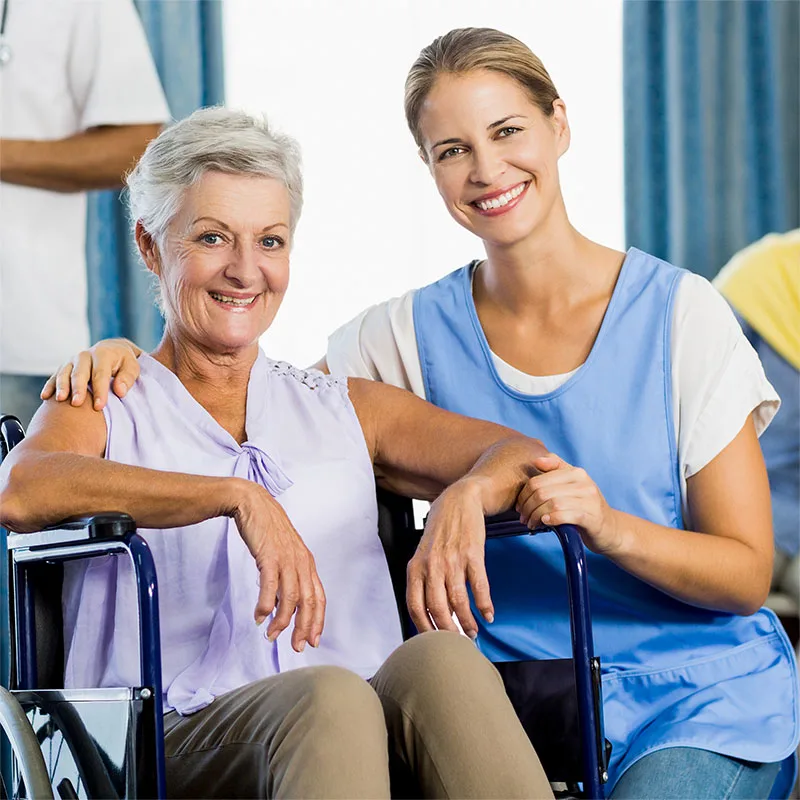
{"x": 332, "y": 73}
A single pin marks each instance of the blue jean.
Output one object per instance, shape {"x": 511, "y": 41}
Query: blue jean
{"x": 687, "y": 772}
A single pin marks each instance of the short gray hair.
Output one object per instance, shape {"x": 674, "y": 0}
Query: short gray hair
{"x": 210, "y": 139}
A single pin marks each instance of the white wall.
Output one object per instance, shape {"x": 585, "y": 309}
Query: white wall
{"x": 332, "y": 74}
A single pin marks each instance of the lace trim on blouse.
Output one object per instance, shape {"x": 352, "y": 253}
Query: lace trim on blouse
{"x": 311, "y": 378}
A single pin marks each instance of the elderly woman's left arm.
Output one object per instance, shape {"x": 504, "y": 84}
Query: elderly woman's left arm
{"x": 469, "y": 467}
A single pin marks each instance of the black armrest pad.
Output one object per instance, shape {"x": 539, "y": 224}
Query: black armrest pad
{"x": 108, "y": 523}
{"x": 75, "y": 530}
{"x": 508, "y": 524}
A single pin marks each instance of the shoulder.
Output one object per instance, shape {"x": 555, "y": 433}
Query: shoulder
{"x": 392, "y": 318}
{"x": 378, "y": 318}
{"x": 646, "y": 278}
{"x": 377, "y": 343}
{"x": 452, "y": 282}
{"x": 306, "y": 391}
{"x": 699, "y": 304}
{"x": 62, "y": 427}
{"x": 304, "y": 381}
{"x": 718, "y": 379}
{"x": 706, "y": 337}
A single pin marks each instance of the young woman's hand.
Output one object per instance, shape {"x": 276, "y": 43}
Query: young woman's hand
{"x": 563, "y": 494}
{"x": 450, "y": 555}
{"x": 288, "y": 576}
{"x": 112, "y": 360}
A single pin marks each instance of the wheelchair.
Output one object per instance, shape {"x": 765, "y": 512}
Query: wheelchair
{"x": 71, "y": 743}
{"x": 108, "y": 743}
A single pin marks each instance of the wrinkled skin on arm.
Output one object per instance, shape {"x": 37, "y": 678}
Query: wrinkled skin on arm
{"x": 58, "y": 471}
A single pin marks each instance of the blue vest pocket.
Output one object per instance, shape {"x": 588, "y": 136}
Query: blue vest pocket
{"x": 734, "y": 703}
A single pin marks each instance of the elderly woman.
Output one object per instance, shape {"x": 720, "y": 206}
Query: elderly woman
{"x": 254, "y": 483}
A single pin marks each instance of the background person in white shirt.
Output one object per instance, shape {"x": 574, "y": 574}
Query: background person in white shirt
{"x": 79, "y": 100}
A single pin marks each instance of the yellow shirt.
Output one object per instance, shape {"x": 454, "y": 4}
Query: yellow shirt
{"x": 762, "y": 282}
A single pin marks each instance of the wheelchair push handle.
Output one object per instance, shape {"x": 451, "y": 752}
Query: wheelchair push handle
{"x": 587, "y": 668}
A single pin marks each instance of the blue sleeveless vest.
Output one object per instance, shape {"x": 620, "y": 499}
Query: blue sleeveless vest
{"x": 673, "y": 674}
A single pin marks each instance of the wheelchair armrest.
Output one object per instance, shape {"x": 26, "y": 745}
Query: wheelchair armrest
{"x": 76, "y": 530}
{"x": 508, "y": 524}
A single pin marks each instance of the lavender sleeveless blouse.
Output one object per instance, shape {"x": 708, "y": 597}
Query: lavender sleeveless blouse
{"x": 306, "y": 447}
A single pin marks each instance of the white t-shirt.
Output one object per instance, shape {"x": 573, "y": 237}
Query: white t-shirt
{"x": 76, "y": 64}
{"x": 717, "y": 378}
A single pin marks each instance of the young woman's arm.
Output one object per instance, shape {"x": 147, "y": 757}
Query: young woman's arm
{"x": 111, "y": 362}
{"x": 720, "y": 402}
{"x": 725, "y": 564}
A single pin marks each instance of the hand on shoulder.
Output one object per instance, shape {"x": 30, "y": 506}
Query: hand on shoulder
{"x": 111, "y": 362}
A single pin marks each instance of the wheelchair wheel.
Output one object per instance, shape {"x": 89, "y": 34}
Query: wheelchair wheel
{"x": 27, "y": 775}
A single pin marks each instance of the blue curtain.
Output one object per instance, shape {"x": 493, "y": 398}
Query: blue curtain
{"x": 185, "y": 38}
{"x": 712, "y": 147}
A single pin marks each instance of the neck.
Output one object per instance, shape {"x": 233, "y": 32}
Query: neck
{"x": 217, "y": 381}
{"x": 194, "y": 363}
{"x": 548, "y": 269}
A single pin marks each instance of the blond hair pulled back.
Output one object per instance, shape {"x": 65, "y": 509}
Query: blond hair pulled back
{"x": 464, "y": 50}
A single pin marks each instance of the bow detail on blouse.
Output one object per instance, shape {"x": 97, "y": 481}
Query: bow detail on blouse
{"x": 263, "y": 469}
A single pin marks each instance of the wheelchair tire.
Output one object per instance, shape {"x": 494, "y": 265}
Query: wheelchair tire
{"x": 24, "y": 748}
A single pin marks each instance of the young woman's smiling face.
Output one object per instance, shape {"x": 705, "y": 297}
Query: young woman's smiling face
{"x": 493, "y": 154}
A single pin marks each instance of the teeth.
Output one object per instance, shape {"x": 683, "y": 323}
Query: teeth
{"x": 504, "y": 199}
{"x": 234, "y": 301}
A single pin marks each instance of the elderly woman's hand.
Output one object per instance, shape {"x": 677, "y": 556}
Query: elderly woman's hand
{"x": 112, "y": 360}
{"x": 562, "y": 494}
{"x": 287, "y": 572}
{"x": 451, "y": 553}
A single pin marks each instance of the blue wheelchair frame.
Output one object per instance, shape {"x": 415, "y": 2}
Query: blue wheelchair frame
{"x": 399, "y": 537}
{"x": 87, "y": 537}
{"x": 586, "y": 666}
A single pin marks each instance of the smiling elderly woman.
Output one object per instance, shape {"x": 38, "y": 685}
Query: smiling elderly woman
{"x": 256, "y": 482}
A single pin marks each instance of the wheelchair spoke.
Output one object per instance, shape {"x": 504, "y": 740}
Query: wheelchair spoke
{"x": 54, "y": 764}
{"x": 16, "y": 791}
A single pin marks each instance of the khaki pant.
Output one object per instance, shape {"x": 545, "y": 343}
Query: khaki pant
{"x": 435, "y": 718}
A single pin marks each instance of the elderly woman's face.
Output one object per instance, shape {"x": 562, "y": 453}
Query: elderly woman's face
{"x": 225, "y": 265}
